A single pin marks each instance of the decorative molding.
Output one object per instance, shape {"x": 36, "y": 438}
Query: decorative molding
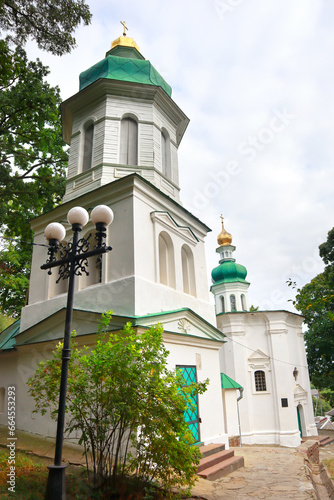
{"x": 167, "y": 221}
{"x": 184, "y": 325}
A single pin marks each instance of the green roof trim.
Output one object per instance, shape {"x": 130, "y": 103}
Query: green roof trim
{"x": 228, "y": 382}
{"x": 126, "y": 69}
{"x": 7, "y": 336}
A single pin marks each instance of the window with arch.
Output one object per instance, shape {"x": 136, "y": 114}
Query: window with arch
{"x": 260, "y": 381}
{"x": 129, "y": 142}
{"x": 222, "y": 304}
{"x": 233, "y": 303}
{"x": 243, "y": 302}
{"x": 94, "y": 267}
{"x": 166, "y": 260}
{"x": 165, "y": 154}
{"x": 188, "y": 270}
{"x": 88, "y": 146}
{"x": 62, "y": 285}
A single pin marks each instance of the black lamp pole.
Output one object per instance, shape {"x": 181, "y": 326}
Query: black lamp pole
{"x": 73, "y": 261}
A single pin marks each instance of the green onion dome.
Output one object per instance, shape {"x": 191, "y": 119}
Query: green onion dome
{"x": 229, "y": 272}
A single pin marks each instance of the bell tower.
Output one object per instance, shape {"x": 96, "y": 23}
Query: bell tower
{"x": 229, "y": 287}
{"x": 122, "y": 121}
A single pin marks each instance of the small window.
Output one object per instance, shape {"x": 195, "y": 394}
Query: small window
{"x": 233, "y": 303}
{"x": 222, "y": 303}
{"x": 284, "y": 402}
{"x": 243, "y": 302}
{"x": 260, "y": 381}
{"x": 129, "y": 142}
{"x": 88, "y": 147}
{"x": 165, "y": 154}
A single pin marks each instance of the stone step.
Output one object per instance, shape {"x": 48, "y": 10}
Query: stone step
{"x": 325, "y": 442}
{"x": 211, "y": 460}
{"x": 221, "y": 469}
{"x": 210, "y": 449}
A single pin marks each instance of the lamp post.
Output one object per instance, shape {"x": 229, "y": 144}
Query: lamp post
{"x": 72, "y": 262}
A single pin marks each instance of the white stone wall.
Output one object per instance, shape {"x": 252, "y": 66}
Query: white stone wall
{"x": 272, "y": 342}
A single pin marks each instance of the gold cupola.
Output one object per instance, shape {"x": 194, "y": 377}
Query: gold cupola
{"x": 224, "y": 238}
{"x": 124, "y": 41}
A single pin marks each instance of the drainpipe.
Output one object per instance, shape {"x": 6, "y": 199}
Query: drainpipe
{"x": 241, "y": 390}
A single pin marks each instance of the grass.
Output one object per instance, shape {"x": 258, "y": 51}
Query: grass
{"x": 31, "y": 478}
{"x": 329, "y": 462}
{"x": 31, "y": 475}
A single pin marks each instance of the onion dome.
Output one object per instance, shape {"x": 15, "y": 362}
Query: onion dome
{"x": 224, "y": 238}
{"x": 229, "y": 272}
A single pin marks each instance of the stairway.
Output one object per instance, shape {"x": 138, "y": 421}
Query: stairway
{"x": 322, "y": 440}
{"x": 217, "y": 462}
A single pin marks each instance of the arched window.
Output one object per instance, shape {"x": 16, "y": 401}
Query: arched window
{"x": 129, "y": 142}
{"x": 165, "y": 154}
{"x": 166, "y": 260}
{"x": 188, "y": 270}
{"x": 243, "y": 302}
{"x": 62, "y": 285}
{"x": 233, "y": 303}
{"x": 88, "y": 147}
{"x": 94, "y": 267}
{"x": 260, "y": 381}
{"x": 222, "y": 303}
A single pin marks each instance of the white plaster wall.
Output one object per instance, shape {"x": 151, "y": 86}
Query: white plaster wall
{"x": 8, "y": 378}
{"x": 230, "y": 406}
{"x": 278, "y": 335}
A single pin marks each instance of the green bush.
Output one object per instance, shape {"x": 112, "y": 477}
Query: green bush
{"x": 128, "y": 407}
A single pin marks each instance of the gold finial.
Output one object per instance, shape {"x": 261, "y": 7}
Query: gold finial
{"x": 125, "y": 28}
{"x": 224, "y": 238}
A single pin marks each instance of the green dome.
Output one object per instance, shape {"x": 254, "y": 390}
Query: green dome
{"x": 229, "y": 272}
{"x": 129, "y": 69}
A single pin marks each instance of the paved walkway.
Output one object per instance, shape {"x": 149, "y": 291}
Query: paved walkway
{"x": 269, "y": 472}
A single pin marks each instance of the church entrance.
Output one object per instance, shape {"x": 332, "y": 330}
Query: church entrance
{"x": 191, "y": 415}
{"x": 300, "y": 417}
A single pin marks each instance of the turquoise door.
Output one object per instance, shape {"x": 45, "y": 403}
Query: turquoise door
{"x": 191, "y": 416}
{"x": 299, "y": 423}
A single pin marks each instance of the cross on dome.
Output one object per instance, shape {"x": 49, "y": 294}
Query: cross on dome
{"x": 125, "y": 28}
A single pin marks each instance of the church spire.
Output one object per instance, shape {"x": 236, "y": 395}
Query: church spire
{"x": 229, "y": 278}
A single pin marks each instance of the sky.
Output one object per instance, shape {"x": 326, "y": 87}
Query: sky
{"x": 256, "y": 80}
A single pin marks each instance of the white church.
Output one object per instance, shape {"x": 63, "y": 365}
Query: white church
{"x": 124, "y": 130}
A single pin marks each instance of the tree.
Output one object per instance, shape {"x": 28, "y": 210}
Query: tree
{"x": 33, "y": 163}
{"x": 316, "y": 303}
{"x": 32, "y": 155}
{"x": 49, "y": 22}
{"x": 128, "y": 407}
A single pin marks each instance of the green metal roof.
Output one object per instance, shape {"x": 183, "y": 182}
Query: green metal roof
{"x": 127, "y": 69}
{"x": 228, "y": 382}
{"x": 7, "y": 336}
{"x": 229, "y": 272}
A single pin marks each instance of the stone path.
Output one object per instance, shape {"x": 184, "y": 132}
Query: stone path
{"x": 269, "y": 472}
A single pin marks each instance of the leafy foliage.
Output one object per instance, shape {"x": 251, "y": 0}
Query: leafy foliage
{"x": 33, "y": 162}
{"x": 128, "y": 407}
{"x": 316, "y": 303}
{"x": 49, "y": 22}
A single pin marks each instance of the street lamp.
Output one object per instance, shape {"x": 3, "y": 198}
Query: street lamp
{"x": 72, "y": 262}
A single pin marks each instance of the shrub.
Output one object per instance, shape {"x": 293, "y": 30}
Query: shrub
{"x": 127, "y": 406}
